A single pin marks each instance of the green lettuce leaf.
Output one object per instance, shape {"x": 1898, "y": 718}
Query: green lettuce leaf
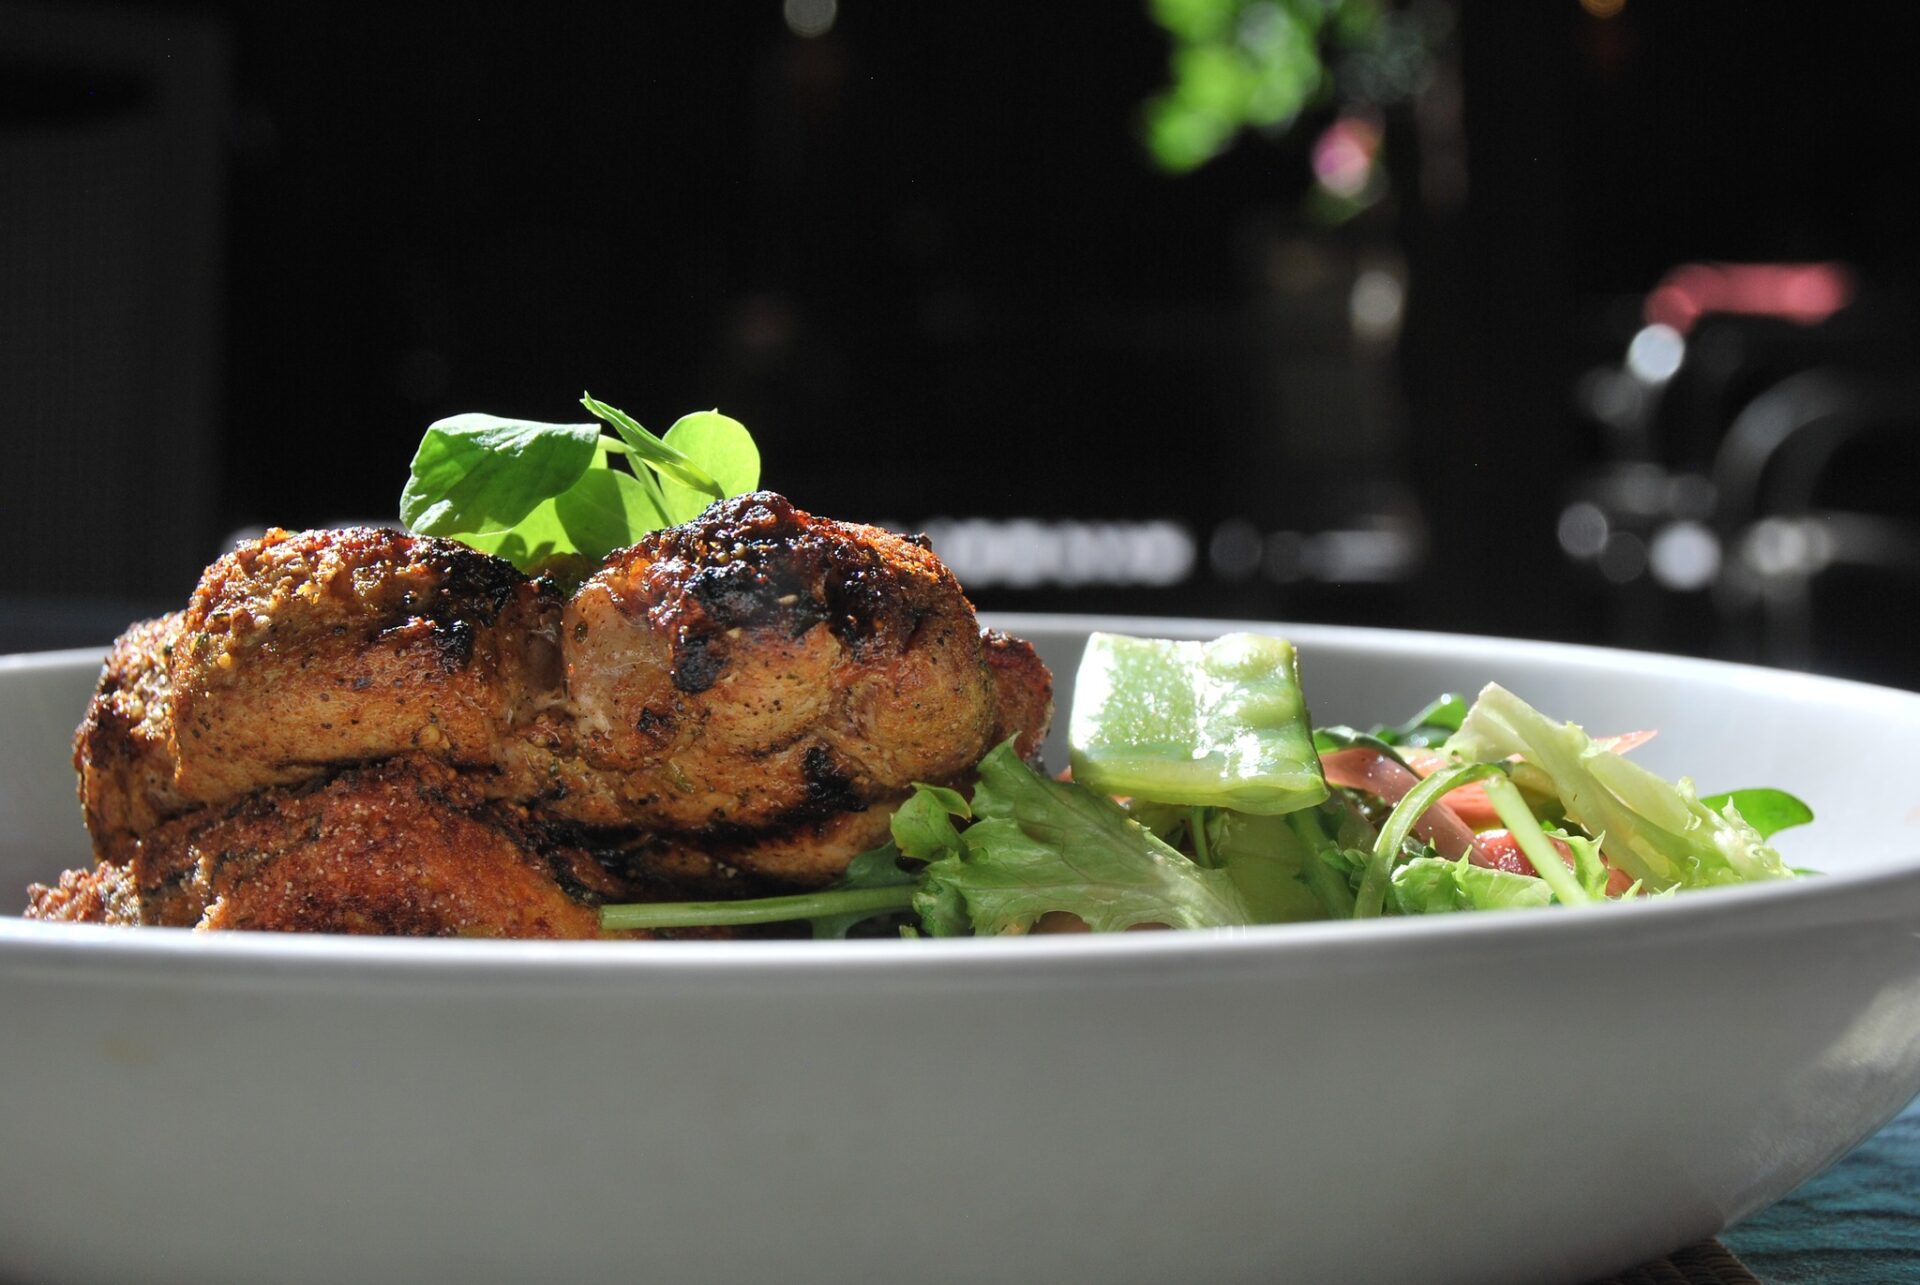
{"x": 1214, "y": 724}
{"x": 1038, "y": 845}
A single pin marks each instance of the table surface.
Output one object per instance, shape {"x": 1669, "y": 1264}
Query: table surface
{"x": 1856, "y": 1224}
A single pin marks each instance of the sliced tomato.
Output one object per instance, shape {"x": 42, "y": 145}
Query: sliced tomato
{"x": 1499, "y": 850}
{"x": 1470, "y": 802}
{"x": 1360, "y": 768}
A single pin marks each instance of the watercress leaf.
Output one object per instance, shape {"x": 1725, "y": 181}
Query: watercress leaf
{"x": 475, "y": 473}
{"x": 719, "y": 444}
{"x": 644, "y": 447}
{"x": 606, "y": 510}
{"x": 1768, "y": 811}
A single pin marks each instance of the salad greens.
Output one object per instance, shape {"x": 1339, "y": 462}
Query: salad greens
{"x": 530, "y": 492}
{"x": 1221, "y": 831}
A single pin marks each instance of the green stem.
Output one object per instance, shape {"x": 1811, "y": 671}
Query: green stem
{"x": 1325, "y": 882}
{"x": 1197, "y": 826}
{"x": 1372, "y": 897}
{"x": 1526, "y": 831}
{"x": 760, "y": 910}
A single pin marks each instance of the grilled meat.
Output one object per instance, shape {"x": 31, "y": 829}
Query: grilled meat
{"x": 736, "y": 702}
{"x": 123, "y": 750}
{"x": 304, "y": 650}
{"x": 760, "y": 666}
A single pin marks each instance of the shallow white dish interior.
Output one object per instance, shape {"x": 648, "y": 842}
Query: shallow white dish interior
{"x": 1531, "y": 1096}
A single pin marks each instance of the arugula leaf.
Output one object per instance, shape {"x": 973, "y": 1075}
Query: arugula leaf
{"x": 1039, "y": 845}
{"x": 721, "y": 446}
{"x": 481, "y": 473}
{"x": 1766, "y": 810}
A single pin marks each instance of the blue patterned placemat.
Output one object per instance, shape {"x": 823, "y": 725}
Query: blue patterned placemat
{"x": 1856, "y": 1224}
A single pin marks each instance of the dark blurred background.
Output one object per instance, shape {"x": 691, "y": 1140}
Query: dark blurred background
{"x": 1579, "y": 319}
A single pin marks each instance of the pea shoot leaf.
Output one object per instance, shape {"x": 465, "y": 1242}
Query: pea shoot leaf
{"x": 718, "y": 444}
{"x": 531, "y": 492}
{"x": 481, "y": 473}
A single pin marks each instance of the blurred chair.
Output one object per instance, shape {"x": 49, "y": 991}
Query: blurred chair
{"x": 1787, "y": 451}
{"x": 1762, "y": 447}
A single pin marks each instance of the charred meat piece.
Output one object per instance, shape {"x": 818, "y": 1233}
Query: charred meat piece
{"x": 304, "y": 650}
{"x": 761, "y": 667}
{"x": 407, "y": 847}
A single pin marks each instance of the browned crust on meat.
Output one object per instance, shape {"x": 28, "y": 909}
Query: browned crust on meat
{"x": 1023, "y": 691}
{"x": 304, "y": 650}
{"x": 122, "y": 751}
{"x": 407, "y": 847}
{"x": 103, "y": 895}
{"x": 760, "y": 670}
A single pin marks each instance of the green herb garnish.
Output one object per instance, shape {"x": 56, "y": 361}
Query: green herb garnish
{"x": 530, "y": 492}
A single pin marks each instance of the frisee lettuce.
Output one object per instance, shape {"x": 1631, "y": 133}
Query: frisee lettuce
{"x": 1657, "y": 831}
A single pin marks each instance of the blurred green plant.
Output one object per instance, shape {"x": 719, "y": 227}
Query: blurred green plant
{"x": 1259, "y": 64}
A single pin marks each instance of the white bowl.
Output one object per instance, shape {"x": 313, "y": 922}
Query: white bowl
{"x": 1530, "y": 1096}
